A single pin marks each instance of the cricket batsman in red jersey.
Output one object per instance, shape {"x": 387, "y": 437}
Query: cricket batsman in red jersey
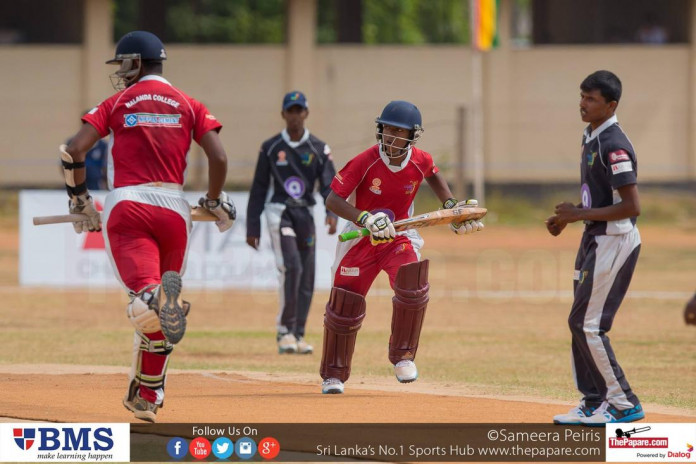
{"x": 146, "y": 219}
{"x": 373, "y": 190}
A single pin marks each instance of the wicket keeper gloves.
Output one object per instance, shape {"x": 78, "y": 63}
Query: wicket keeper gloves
{"x": 82, "y": 204}
{"x": 380, "y": 227}
{"x": 223, "y": 208}
{"x": 466, "y": 227}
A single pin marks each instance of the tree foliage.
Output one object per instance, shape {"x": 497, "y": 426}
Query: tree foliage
{"x": 211, "y": 21}
{"x": 264, "y": 21}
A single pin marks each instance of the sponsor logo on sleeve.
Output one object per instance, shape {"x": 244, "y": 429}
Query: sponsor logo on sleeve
{"x": 618, "y": 155}
{"x": 624, "y": 166}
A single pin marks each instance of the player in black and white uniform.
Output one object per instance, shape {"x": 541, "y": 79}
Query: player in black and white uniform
{"x": 607, "y": 256}
{"x": 289, "y": 166}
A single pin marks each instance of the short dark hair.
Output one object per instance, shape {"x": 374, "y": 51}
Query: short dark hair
{"x": 606, "y": 82}
{"x": 152, "y": 66}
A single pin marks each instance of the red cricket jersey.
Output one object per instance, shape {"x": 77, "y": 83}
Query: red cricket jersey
{"x": 379, "y": 188}
{"x": 151, "y": 125}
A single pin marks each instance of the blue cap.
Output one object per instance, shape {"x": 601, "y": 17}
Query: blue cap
{"x": 294, "y": 98}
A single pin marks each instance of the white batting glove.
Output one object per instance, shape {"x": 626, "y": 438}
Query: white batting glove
{"x": 82, "y": 204}
{"x": 223, "y": 208}
{"x": 466, "y": 227}
{"x": 380, "y": 227}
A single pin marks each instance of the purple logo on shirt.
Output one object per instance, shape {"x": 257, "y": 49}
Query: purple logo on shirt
{"x": 390, "y": 214}
{"x": 586, "y": 196}
{"x": 294, "y": 187}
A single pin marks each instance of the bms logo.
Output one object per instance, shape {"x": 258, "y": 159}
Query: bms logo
{"x": 65, "y": 439}
{"x": 24, "y": 437}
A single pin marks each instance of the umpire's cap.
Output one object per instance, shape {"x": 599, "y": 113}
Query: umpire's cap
{"x": 402, "y": 114}
{"x": 294, "y": 98}
{"x": 146, "y": 45}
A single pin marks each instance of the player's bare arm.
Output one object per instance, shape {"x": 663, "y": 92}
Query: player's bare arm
{"x": 342, "y": 208}
{"x": 439, "y": 185}
{"x": 216, "y": 201}
{"x": 628, "y": 207}
{"x": 78, "y": 147}
{"x": 217, "y": 163}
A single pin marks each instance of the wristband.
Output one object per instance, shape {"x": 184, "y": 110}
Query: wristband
{"x": 449, "y": 203}
{"x": 362, "y": 217}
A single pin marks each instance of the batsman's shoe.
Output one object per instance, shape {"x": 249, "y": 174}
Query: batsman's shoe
{"x": 573, "y": 416}
{"x": 287, "y": 343}
{"x": 609, "y": 414}
{"x": 332, "y": 386}
{"x": 406, "y": 371}
{"x": 172, "y": 314}
{"x": 303, "y": 347}
{"x": 139, "y": 406}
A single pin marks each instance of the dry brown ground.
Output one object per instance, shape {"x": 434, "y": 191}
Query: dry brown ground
{"x": 463, "y": 274}
{"x": 218, "y": 397}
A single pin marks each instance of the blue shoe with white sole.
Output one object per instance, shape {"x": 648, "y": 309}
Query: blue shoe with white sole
{"x": 610, "y": 414}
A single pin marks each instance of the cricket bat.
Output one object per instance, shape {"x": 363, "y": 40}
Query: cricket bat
{"x": 197, "y": 214}
{"x": 434, "y": 218}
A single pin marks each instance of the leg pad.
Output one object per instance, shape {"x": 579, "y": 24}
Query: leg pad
{"x": 344, "y": 314}
{"x": 409, "y": 303}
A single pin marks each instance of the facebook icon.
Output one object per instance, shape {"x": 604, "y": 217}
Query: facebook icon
{"x": 177, "y": 448}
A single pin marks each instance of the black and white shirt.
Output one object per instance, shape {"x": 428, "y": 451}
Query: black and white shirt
{"x": 608, "y": 163}
{"x": 286, "y": 173}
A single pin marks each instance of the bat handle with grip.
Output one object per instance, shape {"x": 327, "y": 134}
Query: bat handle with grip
{"x": 353, "y": 234}
{"x": 64, "y": 218}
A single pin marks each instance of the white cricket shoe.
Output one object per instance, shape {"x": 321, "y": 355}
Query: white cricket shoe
{"x": 331, "y": 386}
{"x": 406, "y": 371}
{"x": 287, "y": 344}
{"x": 574, "y": 416}
{"x": 303, "y": 347}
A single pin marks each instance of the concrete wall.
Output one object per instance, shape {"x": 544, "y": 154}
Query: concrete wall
{"x": 532, "y": 124}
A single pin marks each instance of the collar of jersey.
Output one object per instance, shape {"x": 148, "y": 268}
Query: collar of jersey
{"x": 292, "y": 144}
{"x": 154, "y": 77}
{"x": 386, "y": 160}
{"x": 609, "y": 122}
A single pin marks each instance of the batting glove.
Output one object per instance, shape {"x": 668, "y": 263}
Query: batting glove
{"x": 223, "y": 208}
{"x": 380, "y": 227}
{"x": 466, "y": 227}
{"x": 82, "y": 204}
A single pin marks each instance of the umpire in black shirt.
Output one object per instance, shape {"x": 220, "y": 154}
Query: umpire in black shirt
{"x": 289, "y": 166}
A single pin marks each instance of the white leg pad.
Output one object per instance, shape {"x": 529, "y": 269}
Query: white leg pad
{"x": 141, "y": 317}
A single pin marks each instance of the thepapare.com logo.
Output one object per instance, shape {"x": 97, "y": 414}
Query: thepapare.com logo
{"x": 64, "y": 442}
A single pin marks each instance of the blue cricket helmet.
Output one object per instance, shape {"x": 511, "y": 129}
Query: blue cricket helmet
{"x": 402, "y": 114}
{"x": 139, "y": 45}
{"x": 132, "y": 50}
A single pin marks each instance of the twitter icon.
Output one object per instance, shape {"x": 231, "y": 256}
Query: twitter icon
{"x": 223, "y": 448}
